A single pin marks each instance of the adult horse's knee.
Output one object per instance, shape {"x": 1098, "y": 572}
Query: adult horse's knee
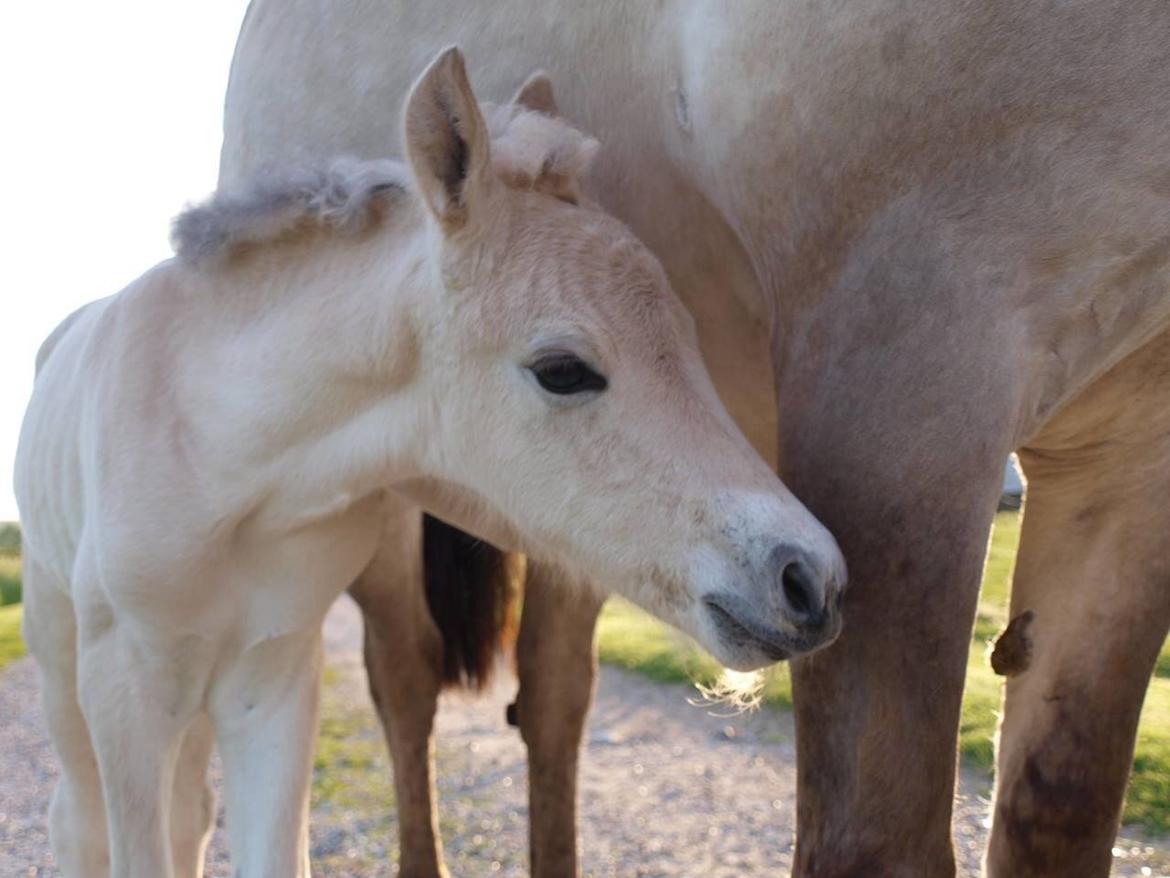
{"x": 1058, "y": 801}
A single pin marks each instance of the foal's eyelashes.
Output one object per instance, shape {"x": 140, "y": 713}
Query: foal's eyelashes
{"x": 565, "y": 374}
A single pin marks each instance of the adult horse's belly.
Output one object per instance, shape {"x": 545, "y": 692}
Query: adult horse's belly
{"x": 312, "y": 80}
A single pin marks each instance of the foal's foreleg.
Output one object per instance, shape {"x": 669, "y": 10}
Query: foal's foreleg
{"x": 265, "y": 714}
{"x": 404, "y": 656}
{"x": 77, "y": 815}
{"x": 138, "y": 699}
{"x": 1093, "y": 572}
{"x": 557, "y": 662}
{"x": 192, "y": 800}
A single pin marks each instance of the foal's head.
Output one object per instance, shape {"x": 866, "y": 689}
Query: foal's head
{"x": 573, "y": 415}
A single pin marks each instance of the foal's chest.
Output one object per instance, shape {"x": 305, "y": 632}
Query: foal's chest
{"x": 287, "y": 582}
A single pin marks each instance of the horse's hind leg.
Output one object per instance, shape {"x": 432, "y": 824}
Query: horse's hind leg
{"x": 404, "y": 662}
{"x": 193, "y": 800}
{"x": 77, "y": 817}
{"x": 1094, "y": 574}
{"x": 557, "y": 666}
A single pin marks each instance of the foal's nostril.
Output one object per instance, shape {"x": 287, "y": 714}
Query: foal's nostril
{"x": 799, "y": 590}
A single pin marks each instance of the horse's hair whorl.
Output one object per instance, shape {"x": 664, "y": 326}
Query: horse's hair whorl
{"x": 346, "y": 194}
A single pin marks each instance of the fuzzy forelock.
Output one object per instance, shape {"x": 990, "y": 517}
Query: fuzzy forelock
{"x": 347, "y": 195}
{"x": 530, "y": 149}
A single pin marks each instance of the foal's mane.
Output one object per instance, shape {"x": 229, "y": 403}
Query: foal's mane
{"x": 347, "y": 195}
{"x": 530, "y": 150}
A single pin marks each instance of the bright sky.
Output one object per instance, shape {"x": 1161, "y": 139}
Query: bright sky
{"x": 112, "y": 121}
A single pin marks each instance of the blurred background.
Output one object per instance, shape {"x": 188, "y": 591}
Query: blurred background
{"x": 112, "y": 119}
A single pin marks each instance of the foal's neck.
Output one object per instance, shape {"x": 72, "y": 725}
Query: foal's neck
{"x": 322, "y": 355}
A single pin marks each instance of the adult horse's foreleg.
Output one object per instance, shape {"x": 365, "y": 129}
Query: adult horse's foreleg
{"x": 77, "y": 815}
{"x": 1092, "y": 600}
{"x": 404, "y": 663}
{"x": 264, "y": 709}
{"x": 878, "y": 712}
{"x": 896, "y": 420}
{"x": 557, "y": 663}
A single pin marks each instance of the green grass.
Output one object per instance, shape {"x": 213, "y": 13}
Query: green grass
{"x": 351, "y": 774}
{"x": 351, "y": 769}
{"x": 11, "y": 644}
{"x": 10, "y": 537}
{"x": 1148, "y": 800}
{"x": 983, "y": 693}
{"x": 9, "y": 578}
{"x": 631, "y": 639}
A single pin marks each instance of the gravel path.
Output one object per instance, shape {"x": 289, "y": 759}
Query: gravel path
{"x": 668, "y": 789}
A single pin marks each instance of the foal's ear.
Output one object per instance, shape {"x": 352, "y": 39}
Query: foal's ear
{"x": 447, "y": 139}
{"x": 537, "y": 94}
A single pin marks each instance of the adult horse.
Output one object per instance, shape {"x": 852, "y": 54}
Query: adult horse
{"x": 934, "y": 234}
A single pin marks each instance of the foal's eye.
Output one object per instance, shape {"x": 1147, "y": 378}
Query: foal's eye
{"x": 565, "y": 374}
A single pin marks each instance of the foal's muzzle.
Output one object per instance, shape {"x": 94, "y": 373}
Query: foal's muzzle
{"x": 795, "y": 611}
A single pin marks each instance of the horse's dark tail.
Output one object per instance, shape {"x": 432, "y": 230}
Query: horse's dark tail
{"x": 472, "y": 591}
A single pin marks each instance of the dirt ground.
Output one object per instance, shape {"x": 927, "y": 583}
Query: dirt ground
{"x": 668, "y": 788}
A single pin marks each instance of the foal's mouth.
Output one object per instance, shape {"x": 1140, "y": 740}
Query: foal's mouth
{"x": 732, "y": 627}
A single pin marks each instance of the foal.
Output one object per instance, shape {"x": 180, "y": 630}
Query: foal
{"x": 206, "y": 456}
